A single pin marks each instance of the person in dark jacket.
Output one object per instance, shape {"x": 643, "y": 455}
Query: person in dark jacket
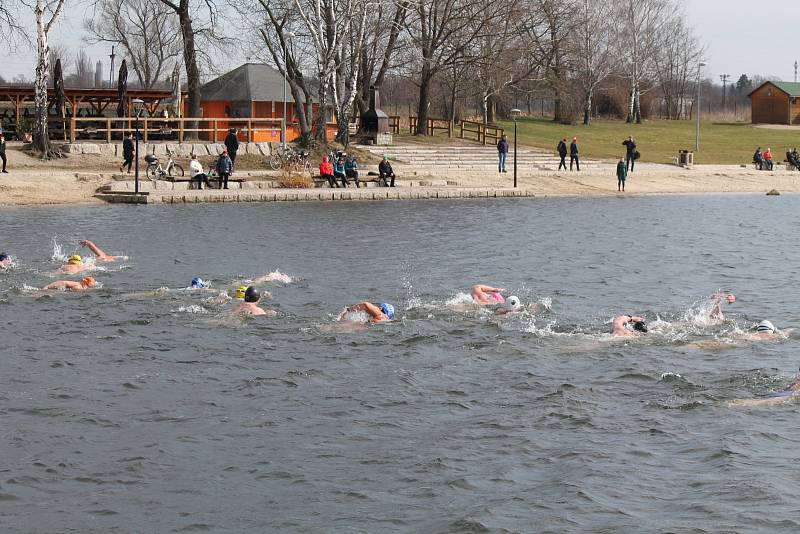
{"x": 232, "y": 144}
{"x": 502, "y": 153}
{"x": 127, "y": 153}
{"x": 385, "y": 171}
{"x": 338, "y": 171}
{"x": 3, "y": 150}
{"x": 622, "y": 173}
{"x": 573, "y": 154}
{"x": 562, "y": 153}
{"x": 758, "y": 159}
{"x": 630, "y": 153}
{"x": 224, "y": 169}
{"x": 351, "y": 169}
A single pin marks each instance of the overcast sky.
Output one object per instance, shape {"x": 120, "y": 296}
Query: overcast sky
{"x": 736, "y": 33}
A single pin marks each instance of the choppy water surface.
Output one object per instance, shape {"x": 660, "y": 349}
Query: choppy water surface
{"x": 127, "y": 409}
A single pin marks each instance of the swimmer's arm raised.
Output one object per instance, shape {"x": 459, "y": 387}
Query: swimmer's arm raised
{"x": 374, "y": 311}
{"x": 96, "y": 250}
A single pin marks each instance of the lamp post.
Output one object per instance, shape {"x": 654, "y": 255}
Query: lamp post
{"x": 286, "y": 36}
{"x": 697, "y": 134}
{"x": 138, "y": 106}
{"x": 112, "y": 55}
{"x": 515, "y": 113}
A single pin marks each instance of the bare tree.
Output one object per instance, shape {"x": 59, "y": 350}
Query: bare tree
{"x": 46, "y": 13}
{"x": 636, "y": 37}
{"x": 336, "y": 30}
{"x": 84, "y": 69}
{"x": 676, "y": 64}
{"x": 58, "y": 51}
{"x": 147, "y": 30}
{"x": 595, "y": 53}
{"x": 11, "y": 29}
{"x": 440, "y": 32}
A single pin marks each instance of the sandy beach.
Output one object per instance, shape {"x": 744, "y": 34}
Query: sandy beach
{"x": 75, "y": 179}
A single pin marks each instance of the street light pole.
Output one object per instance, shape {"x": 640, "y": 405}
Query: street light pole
{"x": 112, "y": 55}
{"x": 137, "y": 103}
{"x": 697, "y": 134}
{"x": 515, "y": 112}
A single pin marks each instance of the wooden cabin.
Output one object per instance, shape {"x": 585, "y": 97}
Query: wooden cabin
{"x": 252, "y": 91}
{"x": 776, "y": 103}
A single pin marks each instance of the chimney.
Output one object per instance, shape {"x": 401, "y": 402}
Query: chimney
{"x": 374, "y": 98}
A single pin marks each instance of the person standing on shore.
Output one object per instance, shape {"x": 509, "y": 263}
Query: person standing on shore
{"x": 630, "y": 153}
{"x": 224, "y": 169}
{"x": 622, "y": 173}
{"x": 502, "y": 153}
{"x": 573, "y": 154}
{"x": 127, "y": 153}
{"x": 562, "y": 153}
{"x": 3, "y": 150}
{"x": 232, "y": 144}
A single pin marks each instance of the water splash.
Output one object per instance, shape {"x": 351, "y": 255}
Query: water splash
{"x": 192, "y": 308}
{"x": 58, "y": 251}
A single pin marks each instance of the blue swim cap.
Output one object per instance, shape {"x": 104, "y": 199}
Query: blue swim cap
{"x": 198, "y": 283}
{"x": 387, "y": 310}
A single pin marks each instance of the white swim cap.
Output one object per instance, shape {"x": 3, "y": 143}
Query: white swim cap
{"x": 513, "y": 302}
{"x": 766, "y": 326}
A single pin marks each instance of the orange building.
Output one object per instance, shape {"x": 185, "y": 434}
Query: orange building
{"x": 252, "y": 91}
{"x": 776, "y": 103}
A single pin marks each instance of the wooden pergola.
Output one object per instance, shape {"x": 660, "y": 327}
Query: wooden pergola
{"x": 97, "y": 99}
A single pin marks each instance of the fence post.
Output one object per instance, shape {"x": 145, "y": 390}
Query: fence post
{"x": 108, "y": 131}
{"x": 180, "y": 130}
{"x": 214, "y": 125}
{"x": 72, "y": 130}
{"x": 249, "y": 131}
{"x": 145, "y": 132}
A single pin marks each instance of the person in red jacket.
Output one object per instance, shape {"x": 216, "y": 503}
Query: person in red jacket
{"x": 768, "y": 158}
{"x": 326, "y": 171}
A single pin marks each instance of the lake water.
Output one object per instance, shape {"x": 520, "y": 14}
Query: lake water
{"x": 127, "y": 409}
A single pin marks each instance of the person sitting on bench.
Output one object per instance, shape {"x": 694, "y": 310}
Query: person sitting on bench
{"x": 351, "y": 169}
{"x": 385, "y": 170}
{"x": 196, "y": 173}
{"x": 768, "y": 158}
{"x": 794, "y": 158}
{"x": 326, "y": 172}
{"x": 758, "y": 159}
{"x": 338, "y": 171}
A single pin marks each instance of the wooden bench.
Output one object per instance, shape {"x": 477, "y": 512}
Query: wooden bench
{"x": 371, "y": 176}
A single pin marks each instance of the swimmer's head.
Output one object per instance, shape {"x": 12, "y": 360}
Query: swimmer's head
{"x": 251, "y": 294}
{"x": 497, "y": 297}
{"x": 640, "y": 326}
{"x": 75, "y": 260}
{"x": 766, "y": 327}
{"x": 513, "y": 303}
{"x": 88, "y": 282}
{"x": 387, "y": 309}
{"x": 198, "y": 283}
{"x": 4, "y": 257}
{"x": 240, "y": 292}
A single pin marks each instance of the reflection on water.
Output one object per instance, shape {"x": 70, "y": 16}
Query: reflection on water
{"x": 145, "y": 403}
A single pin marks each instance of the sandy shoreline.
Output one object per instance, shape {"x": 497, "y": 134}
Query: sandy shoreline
{"x": 75, "y": 180}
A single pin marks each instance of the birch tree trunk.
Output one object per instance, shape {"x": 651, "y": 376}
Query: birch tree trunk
{"x": 41, "y": 11}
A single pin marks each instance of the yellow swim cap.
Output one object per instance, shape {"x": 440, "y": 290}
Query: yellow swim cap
{"x": 240, "y": 292}
{"x": 75, "y": 260}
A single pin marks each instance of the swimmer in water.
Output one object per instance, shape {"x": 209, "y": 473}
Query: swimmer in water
{"x": 790, "y": 393}
{"x": 619, "y": 326}
{"x": 378, "y": 312}
{"x": 74, "y": 265}
{"x": 487, "y": 295}
{"x": 101, "y": 256}
{"x": 199, "y": 283}
{"x": 250, "y": 305}
{"x": 71, "y": 285}
{"x": 240, "y": 291}
{"x": 718, "y": 299}
{"x": 511, "y": 305}
{"x": 5, "y": 261}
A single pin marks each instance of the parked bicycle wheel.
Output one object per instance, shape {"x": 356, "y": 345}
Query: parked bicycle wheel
{"x": 176, "y": 170}
{"x": 152, "y": 171}
{"x": 275, "y": 162}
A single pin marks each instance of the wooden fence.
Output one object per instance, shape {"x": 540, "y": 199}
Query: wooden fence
{"x": 214, "y": 130}
{"x": 470, "y": 130}
{"x": 480, "y": 132}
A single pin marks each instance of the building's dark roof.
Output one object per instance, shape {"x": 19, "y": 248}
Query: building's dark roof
{"x": 790, "y": 88}
{"x": 252, "y": 82}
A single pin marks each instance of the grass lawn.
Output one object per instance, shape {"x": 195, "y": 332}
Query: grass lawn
{"x": 659, "y": 141}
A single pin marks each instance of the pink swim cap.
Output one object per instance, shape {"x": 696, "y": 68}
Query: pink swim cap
{"x": 498, "y": 297}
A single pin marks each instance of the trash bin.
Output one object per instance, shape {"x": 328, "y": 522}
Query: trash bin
{"x": 685, "y": 157}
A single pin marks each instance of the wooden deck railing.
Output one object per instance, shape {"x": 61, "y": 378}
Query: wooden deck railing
{"x": 434, "y": 125}
{"x": 480, "y": 132}
{"x": 214, "y": 130}
{"x": 394, "y": 124}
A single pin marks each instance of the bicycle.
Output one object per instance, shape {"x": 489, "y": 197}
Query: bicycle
{"x": 155, "y": 171}
{"x": 277, "y": 159}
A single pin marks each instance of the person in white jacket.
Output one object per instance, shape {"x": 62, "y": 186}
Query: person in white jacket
{"x": 196, "y": 172}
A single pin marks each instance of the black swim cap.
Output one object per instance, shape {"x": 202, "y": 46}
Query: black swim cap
{"x": 3, "y": 256}
{"x": 640, "y": 326}
{"x": 252, "y": 295}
